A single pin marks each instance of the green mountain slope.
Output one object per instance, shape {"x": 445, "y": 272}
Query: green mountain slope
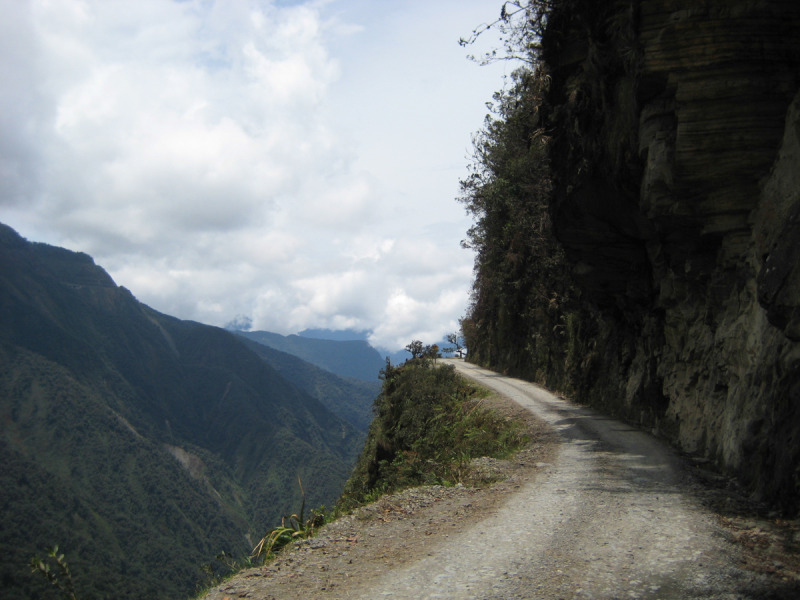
{"x": 350, "y": 359}
{"x": 349, "y": 398}
{"x": 143, "y": 445}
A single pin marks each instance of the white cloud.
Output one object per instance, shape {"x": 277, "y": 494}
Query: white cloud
{"x": 294, "y": 163}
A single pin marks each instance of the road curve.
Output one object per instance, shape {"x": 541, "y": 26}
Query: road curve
{"x": 610, "y": 517}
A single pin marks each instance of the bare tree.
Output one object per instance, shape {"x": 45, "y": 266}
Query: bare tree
{"x": 520, "y": 24}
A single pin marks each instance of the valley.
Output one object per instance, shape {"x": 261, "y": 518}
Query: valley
{"x": 628, "y": 421}
{"x": 143, "y": 445}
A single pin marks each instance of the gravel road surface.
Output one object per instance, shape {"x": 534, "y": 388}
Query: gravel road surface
{"x": 609, "y": 512}
{"x": 607, "y": 520}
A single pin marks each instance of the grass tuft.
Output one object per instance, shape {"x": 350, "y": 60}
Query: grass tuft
{"x": 293, "y": 527}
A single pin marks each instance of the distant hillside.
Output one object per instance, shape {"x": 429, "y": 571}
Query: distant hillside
{"x": 340, "y": 335}
{"x": 351, "y": 399}
{"x": 142, "y": 444}
{"x": 396, "y": 357}
{"x": 351, "y": 358}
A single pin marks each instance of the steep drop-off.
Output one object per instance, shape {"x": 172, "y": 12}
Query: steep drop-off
{"x": 674, "y": 130}
{"x": 142, "y": 444}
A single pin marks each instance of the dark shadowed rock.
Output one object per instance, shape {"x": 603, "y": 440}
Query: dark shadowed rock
{"x": 676, "y": 165}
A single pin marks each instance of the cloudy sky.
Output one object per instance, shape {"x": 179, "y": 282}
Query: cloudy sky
{"x": 293, "y": 162}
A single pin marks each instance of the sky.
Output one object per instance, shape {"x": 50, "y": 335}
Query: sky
{"x": 293, "y": 164}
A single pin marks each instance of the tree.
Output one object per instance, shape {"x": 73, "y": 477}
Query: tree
{"x": 425, "y": 351}
{"x": 416, "y": 349}
{"x": 521, "y": 277}
{"x": 431, "y": 352}
{"x": 455, "y": 339}
{"x": 521, "y": 24}
{"x": 61, "y": 578}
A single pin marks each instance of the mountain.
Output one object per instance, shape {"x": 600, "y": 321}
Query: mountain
{"x": 349, "y": 398}
{"x": 339, "y": 335}
{"x": 350, "y": 358}
{"x": 638, "y": 231}
{"x": 142, "y": 444}
{"x": 396, "y": 357}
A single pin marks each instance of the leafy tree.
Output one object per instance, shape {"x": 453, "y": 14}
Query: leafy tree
{"x": 416, "y": 349}
{"x": 431, "y": 352}
{"x": 59, "y": 577}
{"x": 522, "y": 293}
{"x": 518, "y": 262}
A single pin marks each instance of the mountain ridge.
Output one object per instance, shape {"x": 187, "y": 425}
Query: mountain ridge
{"x": 140, "y": 443}
{"x": 347, "y": 358}
{"x": 352, "y": 400}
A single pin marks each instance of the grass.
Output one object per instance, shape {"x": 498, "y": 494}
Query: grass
{"x": 430, "y": 424}
{"x": 293, "y": 527}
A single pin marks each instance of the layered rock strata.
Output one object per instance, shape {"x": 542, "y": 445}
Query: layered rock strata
{"x": 676, "y": 159}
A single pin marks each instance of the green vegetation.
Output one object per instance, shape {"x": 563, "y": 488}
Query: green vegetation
{"x": 60, "y": 578}
{"x": 521, "y": 25}
{"x": 419, "y": 350}
{"x": 527, "y": 316}
{"x": 293, "y": 527}
{"x": 457, "y": 339}
{"x": 214, "y": 573}
{"x": 553, "y": 189}
{"x": 350, "y": 359}
{"x": 347, "y": 397}
{"x": 429, "y": 424}
{"x": 143, "y": 444}
{"x": 522, "y": 285}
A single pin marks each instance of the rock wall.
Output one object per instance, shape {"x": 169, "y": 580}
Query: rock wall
{"x": 676, "y": 159}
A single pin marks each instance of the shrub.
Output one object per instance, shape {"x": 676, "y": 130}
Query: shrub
{"x": 429, "y": 424}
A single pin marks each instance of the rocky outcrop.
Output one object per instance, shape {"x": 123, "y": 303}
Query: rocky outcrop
{"x": 676, "y": 158}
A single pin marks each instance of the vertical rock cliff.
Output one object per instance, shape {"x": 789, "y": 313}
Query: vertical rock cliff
{"x": 675, "y": 160}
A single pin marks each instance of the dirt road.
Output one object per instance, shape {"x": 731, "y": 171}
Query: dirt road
{"x": 607, "y": 520}
{"x": 611, "y": 514}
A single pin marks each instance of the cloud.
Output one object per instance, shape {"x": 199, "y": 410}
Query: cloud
{"x": 291, "y": 163}
{"x": 178, "y": 144}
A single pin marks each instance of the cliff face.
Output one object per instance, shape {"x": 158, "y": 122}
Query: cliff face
{"x": 676, "y": 165}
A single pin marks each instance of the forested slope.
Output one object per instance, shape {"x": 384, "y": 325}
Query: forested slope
{"x": 142, "y": 444}
{"x": 636, "y": 199}
{"x": 349, "y": 398}
{"x": 351, "y": 358}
